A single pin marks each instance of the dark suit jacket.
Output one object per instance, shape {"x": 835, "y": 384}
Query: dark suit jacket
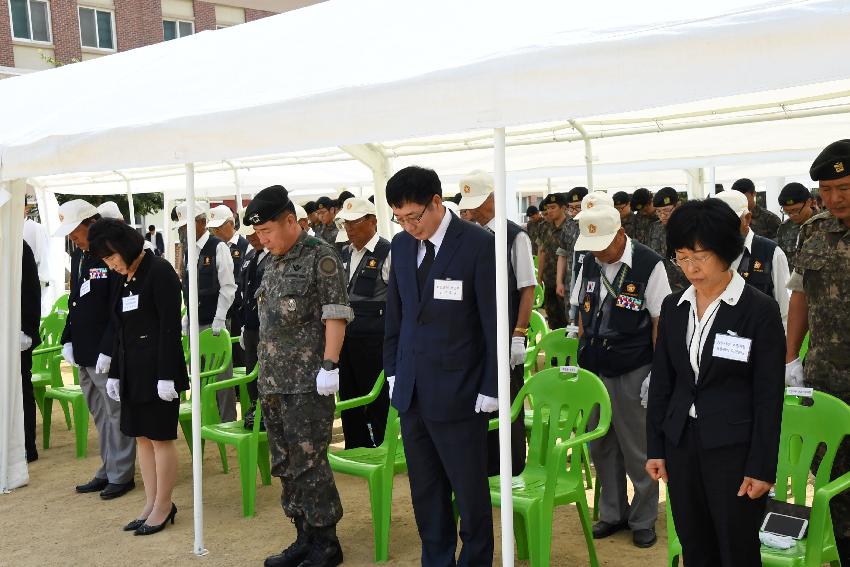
{"x": 443, "y": 350}
{"x": 148, "y": 344}
{"x": 159, "y": 244}
{"x": 736, "y": 402}
{"x": 30, "y": 297}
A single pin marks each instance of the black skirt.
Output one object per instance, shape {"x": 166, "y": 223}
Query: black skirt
{"x": 155, "y": 420}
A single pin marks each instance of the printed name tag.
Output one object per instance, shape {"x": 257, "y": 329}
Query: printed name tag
{"x": 732, "y": 348}
{"x": 569, "y": 370}
{"x": 85, "y": 288}
{"x": 801, "y": 392}
{"x": 130, "y": 303}
{"x": 451, "y": 290}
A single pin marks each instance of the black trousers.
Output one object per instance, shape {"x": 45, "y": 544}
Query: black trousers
{"x": 360, "y": 362}
{"x": 517, "y": 433}
{"x": 717, "y": 528}
{"x": 251, "y": 338}
{"x": 29, "y": 404}
{"x": 445, "y": 458}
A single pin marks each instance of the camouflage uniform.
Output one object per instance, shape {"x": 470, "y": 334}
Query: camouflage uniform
{"x": 534, "y": 230}
{"x": 786, "y": 238}
{"x": 822, "y": 258}
{"x": 658, "y": 242}
{"x": 642, "y": 227}
{"x": 299, "y": 291}
{"x": 328, "y": 233}
{"x": 629, "y": 224}
{"x": 764, "y": 222}
{"x": 552, "y": 303}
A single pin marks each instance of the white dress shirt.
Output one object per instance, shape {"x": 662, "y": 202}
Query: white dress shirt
{"x": 234, "y": 239}
{"x": 699, "y": 329}
{"x": 436, "y": 238}
{"x": 39, "y": 240}
{"x": 522, "y": 259}
{"x": 780, "y": 275}
{"x": 226, "y": 281}
{"x": 657, "y": 287}
{"x": 357, "y": 256}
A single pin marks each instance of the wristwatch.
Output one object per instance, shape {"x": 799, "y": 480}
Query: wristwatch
{"x": 328, "y": 364}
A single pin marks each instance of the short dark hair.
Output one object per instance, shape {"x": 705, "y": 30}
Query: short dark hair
{"x": 709, "y": 222}
{"x": 110, "y": 236}
{"x": 413, "y": 184}
{"x": 744, "y": 185}
{"x": 151, "y": 227}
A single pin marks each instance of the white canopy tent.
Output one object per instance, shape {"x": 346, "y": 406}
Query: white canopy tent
{"x": 495, "y": 65}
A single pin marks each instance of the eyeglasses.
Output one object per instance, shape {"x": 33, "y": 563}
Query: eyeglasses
{"x": 410, "y": 219}
{"x": 574, "y": 209}
{"x": 692, "y": 262}
{"x": 795, "y": 212}
{"x": 350, "y": 223}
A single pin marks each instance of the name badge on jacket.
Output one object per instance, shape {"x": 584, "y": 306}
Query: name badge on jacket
{"x": 85, "y": 288}
{"x": 451, "y": 290}
{"x": 130, "y": 303}
{"x": 731, "y": 347}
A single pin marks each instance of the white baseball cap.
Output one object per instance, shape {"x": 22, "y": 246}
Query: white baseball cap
{"x": 72, "y": 213}
{"x": 595, "y": 199}
{"x": 300, "y": 212}
{"x": 110, "y": 210}
{"x": 474, "y": 189}
{"x": 219, "y": 215}
{"x": 597, "y": 228}
{"x": 355, "y": 208}
{"x": 736, "y": 200}
{"x": 452, "y": 206}
{"x": 200, "y": 209}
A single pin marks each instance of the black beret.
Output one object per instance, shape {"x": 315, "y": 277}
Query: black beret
{"x": 832, "y": 163}
{"x": 576, "y": 194}
{"x": 372, "y": 199}
{"x": 267, "y": 205}
{"x": 310, "y": 207}
{"x": 793, "y": 193}
{"x": 641, "y": 198}
{"x": 532, "y": 210}
{"x": 555, "y": 199}
{"x": 665, "y": 197}
{"x": 456, "y": 198}
{"x": 621, "y": 198}
{"x": 325, "y": 203}
{"x": 343, "y": 197}
{"x": 744, "y": 185}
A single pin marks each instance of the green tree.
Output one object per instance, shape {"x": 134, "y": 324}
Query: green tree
{"x": 143, "y": 204}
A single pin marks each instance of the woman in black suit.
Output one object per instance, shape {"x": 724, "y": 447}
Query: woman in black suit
{"x": 150, "y": 369}
{"x": 715, "y": 397}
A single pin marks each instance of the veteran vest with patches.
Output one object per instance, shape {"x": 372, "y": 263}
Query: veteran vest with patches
{"x": 367, "y": 290}
{"x": 208, "y": 286}
{"x": 756, "y": 267}
{"x": 617, "y": 328}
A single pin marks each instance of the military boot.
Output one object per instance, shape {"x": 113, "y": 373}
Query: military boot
{"x": 293, "y": 555}
{"x": 325, "y": 550}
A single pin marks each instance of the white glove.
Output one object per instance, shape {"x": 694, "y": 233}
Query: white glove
{"x": 776, "y": 541}
{"x": 218, "y": 326}
{"x": 166, "y": 391}
{"x": 517, "y": 351}
{"x": 68, "y": 353}
{"x": 486, "y": 404}
{"x": 794, "y": 373}
{"x": 391, "y": 382}
{"x": 644, "y": 390}
{"x": 327, "y": 382}
{"x": 103, "y": 363}
{"x": 185, "y": 324}
{"x": 26, "y": 341}
{"x": 112, "y": 389}
{"x": 242, "y": 337}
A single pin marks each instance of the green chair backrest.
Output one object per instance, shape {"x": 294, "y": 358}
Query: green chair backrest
{"x": 804, "y": 348}
{"x": 51, "y": 329}
{"x": 537, "y": 328}
{"x": 804, "y": 428}
{"x": 539, "y": 294}
{"x": 563, "y": 404}
{"x": 61, "y": 304}
{"x": 215, "y": 351}
{"x": 560, "y": 349}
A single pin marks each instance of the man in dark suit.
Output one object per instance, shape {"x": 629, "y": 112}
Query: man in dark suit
{"x": 440, "y": 360}
{"x": 30, "y": 317}
{"x": 155, "y": 238}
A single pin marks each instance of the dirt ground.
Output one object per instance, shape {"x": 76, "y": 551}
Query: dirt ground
{"x": 47, "y": 523}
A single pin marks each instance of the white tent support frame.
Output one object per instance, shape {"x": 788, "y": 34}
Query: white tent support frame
{"x": 130, "y": 204}
{"x": 588, "y": 152}
{"x": 373, "y": 157}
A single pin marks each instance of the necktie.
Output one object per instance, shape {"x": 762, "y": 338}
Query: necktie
{"x": 425, "y": 266}
{"x": 744, "y": 266}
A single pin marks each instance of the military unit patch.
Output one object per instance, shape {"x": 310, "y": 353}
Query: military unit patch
{"x": 327, "y": 266}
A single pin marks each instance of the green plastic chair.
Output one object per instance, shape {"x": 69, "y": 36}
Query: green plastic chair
{"x": 252, "y": 447}
{"x": 553, "y": 471}
{"x": 804, "y": 348}
{"x": 46, "y": 372}
{"x": 73, "y": 397}
{"x": 377, "y": 465}
{"x": 60, "y": 305}
{"x": 539, "y": 290}
{"x": 804, "y": 428}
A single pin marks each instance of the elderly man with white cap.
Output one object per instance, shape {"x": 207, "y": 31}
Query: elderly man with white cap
{"x": 477, "y": 197}
{"x": 87, "y": 342}
{"x": 619, "y": 292}
{"x": 216, "y": 288}
{"x": 367, "y": 265}
{"x": 762, "y": 264}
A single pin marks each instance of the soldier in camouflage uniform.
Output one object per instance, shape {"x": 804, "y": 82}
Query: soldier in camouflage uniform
{"x": 547, "y": 247}
{"x": 764, "y": 222}
{"x": 533, "y": 226}
{"x": 326, "y": 210}
{"x": 665, "y": 201}
{"x": 623, "y": 204}
{"x": 796, "y": 201}
{"x": 303, "y": 307}
{"x": 566, "y": 247}
{"x": 819, "y": 303}
{"x": 645, "y": 215}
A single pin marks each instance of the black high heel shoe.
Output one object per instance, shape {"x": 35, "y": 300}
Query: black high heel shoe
{"x": 147, "y": 529}
{"x": 134, "y": 525}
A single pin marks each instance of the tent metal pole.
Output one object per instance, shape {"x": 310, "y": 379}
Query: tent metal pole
{"x": 238, "y": 184}
{"x": 588, "y": 153}
{"x": 130, "y": 203}
{"x": 711, "y": 180}
{"x": 503, "y": 348}
{"x": 373, "y": 157}
{"x": 197, "y": 453}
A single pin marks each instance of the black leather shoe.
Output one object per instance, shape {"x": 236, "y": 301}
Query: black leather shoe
{"x": 115, "y": 490}
{"x": 604, "y": 529}
{"x": 94, "y": 485}
{"x": 293, "y": 555}
{"x": 32, "y": 456}
{"x": 134, "y": 525}
{"x": 147, "y": 529}
{"x": 324, "y": 553}
{"x": 644, "y": 538}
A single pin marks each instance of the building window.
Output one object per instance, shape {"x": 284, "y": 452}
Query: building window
{"x": 172, "y": 29}
{"x": 30, "y": 20}
{"x": 96, "y": 29}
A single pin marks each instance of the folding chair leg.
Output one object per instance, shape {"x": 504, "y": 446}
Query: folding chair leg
{"x": 584, "y": 518}
{"x": 81, "y": 427}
